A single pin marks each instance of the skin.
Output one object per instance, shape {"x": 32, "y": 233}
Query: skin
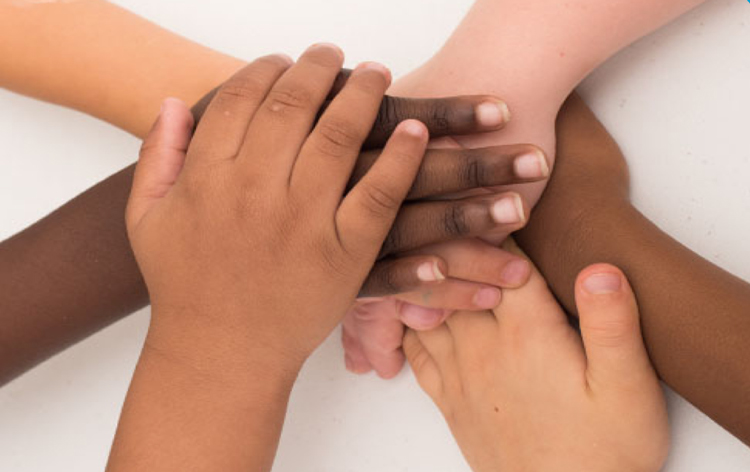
{"x": 522, "y": 391}
{"x": 533, "y": 53}
{"x": 225, "y": 344}
{"x": 694, "y": 314}
{"x": 714, "y": 306}
{"x": 86, "y": 276}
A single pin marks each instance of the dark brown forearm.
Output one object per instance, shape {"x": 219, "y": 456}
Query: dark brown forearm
{"x": 67, "y": 276}
{"x": 696, "y": 317}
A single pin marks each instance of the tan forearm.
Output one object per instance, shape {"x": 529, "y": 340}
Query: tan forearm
{"x": 98, "y": 58}
{"x": 195, "y": 404}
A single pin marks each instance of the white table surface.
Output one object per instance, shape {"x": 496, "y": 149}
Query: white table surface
{"x": 678, "y": 102}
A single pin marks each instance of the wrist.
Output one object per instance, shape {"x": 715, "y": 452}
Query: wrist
{"x": 220, "y": 351}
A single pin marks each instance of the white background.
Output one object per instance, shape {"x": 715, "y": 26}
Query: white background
{"x": 678, "y": 103}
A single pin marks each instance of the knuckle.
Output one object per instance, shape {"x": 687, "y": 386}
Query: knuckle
{"x": 283, "y": 100}
{"x": 390, "y": 113}
{"x": 456, "y": 221}
{"x": 388, "y": 280}
{"x": 612, "y": 333}
{"x": 440, "y": 117}
{"x": 473, "y": 172}
{"x": 338, "y": 137}
{"x": 379, "y": 202}
{"x": 247, "y": 87}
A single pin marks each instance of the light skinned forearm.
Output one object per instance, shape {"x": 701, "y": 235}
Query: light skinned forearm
{"x": 100, "y": 59}
{"x": 536, "y": 51}
{"x": 199, "y": 402}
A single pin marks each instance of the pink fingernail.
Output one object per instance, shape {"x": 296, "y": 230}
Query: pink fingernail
{"x": 487, "y": 298}
{"x": 603, "y": 283}
{"x": 492, "y": 114}
{"x": 531, "y": 166}
{"x": 508, "y": 210}
{"x": 429, "y": 272}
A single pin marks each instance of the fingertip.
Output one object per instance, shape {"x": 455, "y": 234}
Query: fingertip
{"x": 420, "y": 318}
{"x": 487, "y": 298}
{"x": 516, "y": 273}
{"x": 414, "y": 129}
{"x": 375, "y": 67}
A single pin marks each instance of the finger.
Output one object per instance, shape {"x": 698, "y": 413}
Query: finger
{"x": 161, "y": 159}
{"x": 222, "y": 132}
{"x": 368, "y": 211}
{"x": 284, "y": 120}
{"x": 451, "y": 116}
{"x": 424, "y": 223}
{"x": 442, "y": 116}
{"x": 610, "y": 327}
{"x": 381, "y": 335}
{"x": 423, "y": 366}
{"x": 405, "y": 274}
{"x": 476, "y": 261}
{"x": 447, "y": 171}
{"x": 327, "y": 158}
{"x": 421, "y": 318}
{"x": 453, "y": 294}
{"x": 354, "y": 355}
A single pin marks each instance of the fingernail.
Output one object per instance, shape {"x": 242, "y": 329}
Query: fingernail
{"x": 531, "y": 166}
{"x": 429, "y": 272}
{"x": 487, "y": 298}
{"x": 327, "y": 46}
{"x": 508, "y": 210}
{"x": 419, "y": 317}
{"x": 516, "y": 272}
{"x": 492, "y": 114}
{"x": 376, "y": 66}
{"x": 603, "y": 283}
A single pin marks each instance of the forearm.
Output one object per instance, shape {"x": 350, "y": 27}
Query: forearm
{"x": 196, "y": 403}
{"x": 67, "y": 276}
{"x": 98, "y": 58}
{"x": 696, "y": 317}
{"x": 534, "y": 52}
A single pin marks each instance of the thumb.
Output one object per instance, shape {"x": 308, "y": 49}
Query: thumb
{"x": 610, "y": 328}
{"x": 161, "y": 159}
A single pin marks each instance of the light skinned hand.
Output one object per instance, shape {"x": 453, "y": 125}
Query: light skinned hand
{"x": 251, "y": 235}
{"x": 521, "y": 390}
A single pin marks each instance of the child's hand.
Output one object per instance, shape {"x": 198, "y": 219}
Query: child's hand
{"x": 249, "y": 236}
{"x": 521, "y": 392}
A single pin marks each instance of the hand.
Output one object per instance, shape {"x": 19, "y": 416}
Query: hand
{"x": 521, "y": 392}
{"x": 249, "y": 238}
{"x": 444, "y": 172}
